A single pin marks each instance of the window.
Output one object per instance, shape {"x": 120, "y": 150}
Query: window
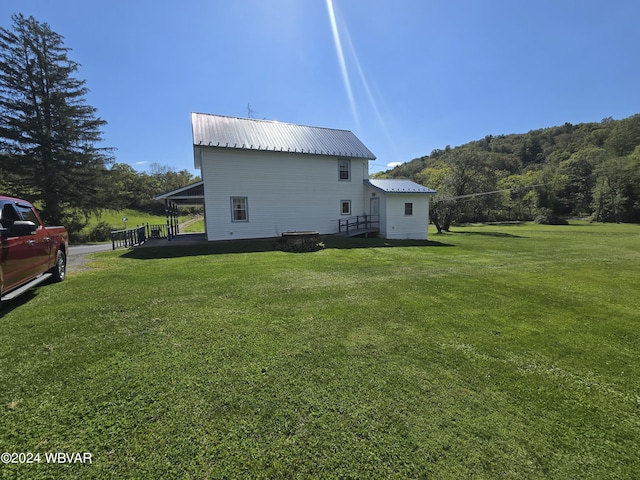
{"x": 239, "y": 210}
{"x": 408, "y": 208}
{"x": 8, "y": 215}
{"x": 344, "y": 169}
{"x": 27, "y": 214}
{"x": 345, "y": 207}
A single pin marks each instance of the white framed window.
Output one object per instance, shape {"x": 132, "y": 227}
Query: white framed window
{"x": 239, "y": 209}
{"x": 345, "y": 207}
{"x": 344, "y": 169}
{"x": 408, "y": 208}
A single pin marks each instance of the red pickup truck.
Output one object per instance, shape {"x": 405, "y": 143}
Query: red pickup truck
{"x": 30, "y": 253}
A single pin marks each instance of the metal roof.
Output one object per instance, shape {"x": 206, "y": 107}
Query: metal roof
{"x": 399, "y": 186}
{"x": 247, "y": 133}
{"x": 189, "y": 195}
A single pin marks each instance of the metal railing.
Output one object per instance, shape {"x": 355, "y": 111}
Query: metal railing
{"x": 129, "y": 237}
{"x": 361, "y": 222}
{"x": 156, "y": 231}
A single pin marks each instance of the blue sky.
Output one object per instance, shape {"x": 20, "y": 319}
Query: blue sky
{"x": 416, "y": 74}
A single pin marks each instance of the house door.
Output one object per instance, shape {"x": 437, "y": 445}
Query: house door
{"x": 374, "y": 206}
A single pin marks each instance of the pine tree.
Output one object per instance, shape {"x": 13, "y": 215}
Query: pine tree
{"x": 48, "y": 134}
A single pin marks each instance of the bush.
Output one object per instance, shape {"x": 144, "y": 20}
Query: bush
{"x": 101, "y": 232}
{"x": 550, "y": 219}
{"x": 299, "y": 245}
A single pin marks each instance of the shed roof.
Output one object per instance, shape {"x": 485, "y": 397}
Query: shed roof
{"x": 247, "y": 133}
{"x": 188, "y": 196}
{"x": 399, "y": 186}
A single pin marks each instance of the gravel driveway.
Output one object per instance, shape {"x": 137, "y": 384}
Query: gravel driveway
{"x": 77, "y": 255}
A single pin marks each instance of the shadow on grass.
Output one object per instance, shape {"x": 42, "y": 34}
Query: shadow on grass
{"x": 491, "y": 234}
{"x": 266, "y": 245}
{"x": 26, "y": 297}
{"x": 486, "y": 234}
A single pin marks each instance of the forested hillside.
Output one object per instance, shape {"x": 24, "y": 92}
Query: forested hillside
{"x": 587, "y": 170}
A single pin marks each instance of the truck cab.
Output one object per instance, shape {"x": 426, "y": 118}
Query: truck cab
{"x": 29, "y": 250}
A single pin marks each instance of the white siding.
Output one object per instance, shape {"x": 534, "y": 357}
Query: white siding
{"x": 285, "y": 192}
{"x": 401, "y": 226}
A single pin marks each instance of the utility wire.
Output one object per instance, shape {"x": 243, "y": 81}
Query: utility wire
{"x": 493, "y": 192}
{"x": 524, "y": 187}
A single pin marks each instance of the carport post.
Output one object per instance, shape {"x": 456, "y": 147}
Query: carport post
{"x": 166, "y": 214}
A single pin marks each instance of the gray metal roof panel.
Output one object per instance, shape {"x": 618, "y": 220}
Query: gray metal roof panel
{"x": 193, "y": 189}
{"x": 246, "y": 133}
{"x": 399, "y": 186}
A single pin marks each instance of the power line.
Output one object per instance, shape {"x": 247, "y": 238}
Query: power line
{"x": 524, "y": 187}
{"x": 493, "y": 192}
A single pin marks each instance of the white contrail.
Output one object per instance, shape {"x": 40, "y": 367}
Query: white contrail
{"x": 343, "y": 65}
{"x": 372, "y": 101}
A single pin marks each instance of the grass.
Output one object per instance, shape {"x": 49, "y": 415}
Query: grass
{"x": 195, "y": 227}
{"x": 490, "y": 352}
{"x": 134, "y": 217}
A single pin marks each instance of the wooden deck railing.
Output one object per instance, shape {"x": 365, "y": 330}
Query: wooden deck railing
{"x": 156, "y": 231}
{"x": 131, "y": 237}
{"x": 128, "y": 237}
{"x": 360, "y": 222}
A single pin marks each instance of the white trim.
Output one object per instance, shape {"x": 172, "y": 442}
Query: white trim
{"x": 244, "y": 201}
{"x": 342, "y": 204}
{"x": 174, "y": 193}
{"x": 341, "y": 162}
{"x": 410, "y": 204}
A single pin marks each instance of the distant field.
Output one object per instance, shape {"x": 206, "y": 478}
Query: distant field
{"x": 490, "y": 352}
{"x": 195, "y": 227}
{"x": 136, "y": 218}
{"x": 133, "y": 217}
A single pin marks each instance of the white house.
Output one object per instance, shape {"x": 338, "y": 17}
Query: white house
{"x": 263, "y": 178}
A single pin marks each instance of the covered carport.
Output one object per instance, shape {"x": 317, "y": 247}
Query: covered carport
{"x": 188, "y": 196}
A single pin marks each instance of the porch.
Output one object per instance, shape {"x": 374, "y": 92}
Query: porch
{"x": 188, "y": 196}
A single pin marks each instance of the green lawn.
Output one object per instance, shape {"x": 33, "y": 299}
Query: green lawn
{"x": 114, "y": 220}
{"x": 133, "y": 217}
{"x": 196, "y": 227}
{"x": 490, "y": 352}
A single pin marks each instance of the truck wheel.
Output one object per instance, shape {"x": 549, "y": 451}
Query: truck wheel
{"x": 59, "y": 270}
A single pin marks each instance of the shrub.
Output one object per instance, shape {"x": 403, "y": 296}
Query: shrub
{"x": 299, "y": 245}
{"x": 100, "y": 233}
{"x": 550, "y": 219}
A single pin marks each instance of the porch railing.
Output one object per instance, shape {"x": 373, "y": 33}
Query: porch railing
{"x": 129, "y": 237}
{"x": 156, "y": 231}
{"x": 360, "y": 222}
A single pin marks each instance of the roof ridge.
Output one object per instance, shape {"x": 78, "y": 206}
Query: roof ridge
{"x": 271, "y": 121}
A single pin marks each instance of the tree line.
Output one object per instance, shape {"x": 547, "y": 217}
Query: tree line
{"x": 50, "y": 137}
{"x": 589, "y": 170}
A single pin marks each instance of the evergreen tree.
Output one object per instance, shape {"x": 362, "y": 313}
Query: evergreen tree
{"x": 48, "y": 134}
